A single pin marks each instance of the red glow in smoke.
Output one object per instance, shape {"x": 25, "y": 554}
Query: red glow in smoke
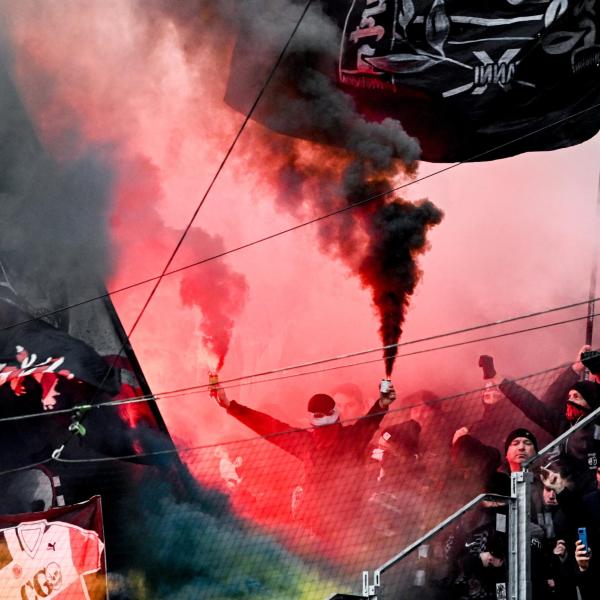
{"x": 166, "y": 129}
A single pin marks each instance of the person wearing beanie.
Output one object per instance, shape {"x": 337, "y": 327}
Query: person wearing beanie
{"x": 520, "y": 445}
{"x": 500, "y": 415}
{"x": 401, "y": 439}
{"x": 396, "y": 454}
{"x": 472, "y": 457}
{"x": 332, "y": 455}
{"x": 478, "y": 565}
{"x": 400, "y": 495}
{"x": 581, "y": 399}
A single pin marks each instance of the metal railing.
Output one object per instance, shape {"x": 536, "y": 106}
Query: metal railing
{"x": 372, "y": 584}
{"x": 519, "y": 525}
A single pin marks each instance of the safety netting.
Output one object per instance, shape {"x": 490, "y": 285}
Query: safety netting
{"x": 464, "y": 556}
{"x": 302, "y": 512}
{"x": 565, "y": 498}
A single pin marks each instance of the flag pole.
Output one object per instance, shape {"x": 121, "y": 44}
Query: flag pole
{"x": 589, "y": 326}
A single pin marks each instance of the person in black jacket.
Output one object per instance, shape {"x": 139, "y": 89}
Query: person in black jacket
{"x": 582, "y": 447}
{"x": 333, "y": 456}
{"x": 500, "y": 415}
{"x": 588, "y": 579}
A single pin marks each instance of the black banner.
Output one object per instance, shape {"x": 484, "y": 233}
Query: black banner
{"x": 464, "y": 78}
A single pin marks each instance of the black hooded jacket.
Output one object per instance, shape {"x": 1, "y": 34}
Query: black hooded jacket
{"x": 333, "y": 460}
{"x": 582, "y": 445}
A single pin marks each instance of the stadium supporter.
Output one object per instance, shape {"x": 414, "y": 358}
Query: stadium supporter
{"x": 398, "y": 504}
{"x": 583, "y": 397}
{"x": 559, "y": 562}
{"x": 578, "y": 512}
{"x": 350, "y": 402}
{"x": 519, "y": 446}
{"x": 589, "y": 570}
{"x": 475, "y": 464}
{"x": 588, "y": 579}
{"x": 332, "y": 456}
{"x": 591, "y": 501}
{"x": 397, "y": 450}
{"x": 475, "y": 553}
{"x": 476, "y": 550}
{"x": 482, "y": 572}
{"x": 500, "y": 415}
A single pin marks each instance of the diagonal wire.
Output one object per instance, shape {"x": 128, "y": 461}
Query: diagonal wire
{"x": 242, "y": 380}
{"x": 209, "y": 188}
{"x": 222, "y": 164}
{"x": 293, "y": 228}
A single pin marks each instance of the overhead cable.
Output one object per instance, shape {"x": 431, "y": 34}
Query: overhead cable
{"x": 452, "y": 397}
{"x": 242, "y": 380}
{"x": 187, "y": 228}
{"x": 291, "y": 229}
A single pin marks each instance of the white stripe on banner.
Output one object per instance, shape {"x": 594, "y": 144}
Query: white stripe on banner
{"x": 494, "y": 22}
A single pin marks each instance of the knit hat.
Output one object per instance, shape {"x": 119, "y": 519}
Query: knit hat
{"x": 323, "y": 410}
{"x": 517, "y": 433}
{"x": 404, "y": 435}
{"x": 321, "y": 403}
{"x": 590, "y": 392}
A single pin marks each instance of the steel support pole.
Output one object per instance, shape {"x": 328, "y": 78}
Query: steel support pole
{"x": 519, "y": 534}
{"x": 589, "y": 328}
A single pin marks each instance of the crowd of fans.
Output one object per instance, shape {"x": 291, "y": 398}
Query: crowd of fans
{"x": 388, "y": 478}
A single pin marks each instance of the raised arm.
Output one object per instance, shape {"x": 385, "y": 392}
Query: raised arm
{"x": 555, "y": 396}
{"x": 364, "y": 429}
{"x": 549, "y": 419}
{"x": 288, "y": 438}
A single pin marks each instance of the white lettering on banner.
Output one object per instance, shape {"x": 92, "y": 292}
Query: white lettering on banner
{"x": 48, "y": 366}
{"x": 361, "y": 65}
{"x": 501, "y": 72}
{"x": 376, "y": 10}
{"x": 368, "y": 26}
{"x": 580, "y": 41}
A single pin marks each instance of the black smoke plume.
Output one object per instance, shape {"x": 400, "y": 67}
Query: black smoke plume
{"x": 354, "y": 160}
{"x": 397, "y": 234}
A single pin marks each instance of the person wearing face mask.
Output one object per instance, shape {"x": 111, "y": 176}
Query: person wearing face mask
{"x": 583, "y": 446}
{"x": 500, "y": 415}
{"x": 332, "y": 455}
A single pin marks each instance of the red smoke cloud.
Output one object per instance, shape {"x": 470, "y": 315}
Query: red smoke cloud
{"x": 142, "y": 238}
{"x": 161, "y": 117}
{"x": 509, "y": 243}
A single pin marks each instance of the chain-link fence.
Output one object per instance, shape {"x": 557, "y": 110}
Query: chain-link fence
{"x": 466, "y": 555}
{"x": 565, "y": 498}
{"x": 301, "y": 513}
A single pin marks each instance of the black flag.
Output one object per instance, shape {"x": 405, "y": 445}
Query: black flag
{"x": 57, "y": 353}
{"x": 466, "y": 79}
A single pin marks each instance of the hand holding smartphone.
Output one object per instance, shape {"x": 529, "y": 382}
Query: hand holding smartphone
{"x": 582, "y": 534}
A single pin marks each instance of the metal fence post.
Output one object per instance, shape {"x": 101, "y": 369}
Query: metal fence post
{"x": 519, "y": 557}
